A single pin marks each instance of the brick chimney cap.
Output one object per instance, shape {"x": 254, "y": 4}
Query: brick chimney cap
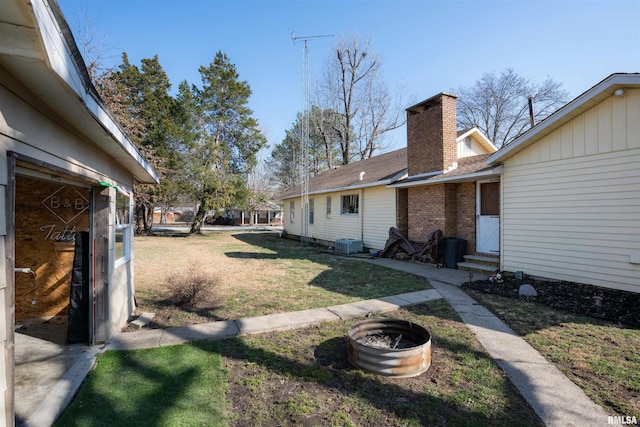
{"x": 434, "y": 100}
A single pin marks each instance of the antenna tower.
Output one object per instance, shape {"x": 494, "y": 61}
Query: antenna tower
{"x": 304, "y": 137}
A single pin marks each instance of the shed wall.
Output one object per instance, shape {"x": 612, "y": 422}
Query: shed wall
{"x": 50, "y": 141}
{"x": 6, "y": 335}
{"x": 30, "y": 129}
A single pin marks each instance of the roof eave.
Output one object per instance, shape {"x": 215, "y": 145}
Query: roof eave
{"x": 484, "y": 141}
{"x": 384, "y": 182}
{"x": 475, "y": 176}
{"x": 583, "y": 102}
{"x": 58, "y": 76}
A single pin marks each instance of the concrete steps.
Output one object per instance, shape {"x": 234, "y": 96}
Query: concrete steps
{"x": 485, "y": 264}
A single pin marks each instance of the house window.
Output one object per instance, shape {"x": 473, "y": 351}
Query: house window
{"x": 292, "y": 208}
{"x": 122, "y": 228}
{"x": 311, "y": 208}
{"x": 329, "y": 207}
{"x": 349, "y": 204}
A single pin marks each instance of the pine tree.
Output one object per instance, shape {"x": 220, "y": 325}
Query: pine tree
{"x": 226, "y": 138}
{"x": 140, "y": 99}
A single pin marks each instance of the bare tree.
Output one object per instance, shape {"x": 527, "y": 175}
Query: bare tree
{"x": 352, "y": 88}
{"x": 94, "y": 47}
{"x": 498, "y": 104}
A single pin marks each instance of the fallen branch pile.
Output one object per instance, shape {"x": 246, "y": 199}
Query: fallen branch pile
{"x": 425, "y": 252}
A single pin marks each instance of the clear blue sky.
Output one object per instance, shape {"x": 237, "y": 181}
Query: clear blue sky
{"x": 427, "y": 46}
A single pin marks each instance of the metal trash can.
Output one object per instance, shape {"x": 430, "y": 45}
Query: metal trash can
{"x": 454, "y": 251}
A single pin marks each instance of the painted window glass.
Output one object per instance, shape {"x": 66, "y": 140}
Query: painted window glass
{"x": 350, "y": 204}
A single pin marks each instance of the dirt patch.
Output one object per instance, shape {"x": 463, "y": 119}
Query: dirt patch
{"x": 304, "y": 378}
{"x": 585, "y": 300}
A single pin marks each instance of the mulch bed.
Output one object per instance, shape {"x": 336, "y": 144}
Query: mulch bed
{"x": 586, "y": 300}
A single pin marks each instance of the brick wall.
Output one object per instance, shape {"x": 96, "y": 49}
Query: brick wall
{"x": 402, "y": 211}
{"x": 431, "y": 134}
{"x": 451, "y": 210}
{"x": 466, "y": 215}
{"x": 426, "y": 211}
{"x": 449, "y": 131}
{"x": 447, "y": 207}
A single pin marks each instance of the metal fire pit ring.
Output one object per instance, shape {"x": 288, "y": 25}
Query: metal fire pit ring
{"x": 410, "y": 361}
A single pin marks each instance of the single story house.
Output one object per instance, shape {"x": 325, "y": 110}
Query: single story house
{"x": 562, "y": 201}
{"x": 178, "y": 214}
{"x": 266, "y": 213}
{"x": 353, "y": 201}
{"x": 570, "y": 190}
{"x": 432, "y": 184}
{"x": 67, "y": 172}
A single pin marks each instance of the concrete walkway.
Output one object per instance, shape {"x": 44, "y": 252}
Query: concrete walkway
{"x": 556, "y": 400}
{"x": 274, "y": 322}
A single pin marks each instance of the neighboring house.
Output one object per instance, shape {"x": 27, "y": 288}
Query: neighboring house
{"x": 571, "y": 190}
{"x": 178, "y": 214}
{"x": 67, "y": 170}
{"x": 171, "y": 215}
{"x": 267, "y": 213}
{"x": 430, "y": 185}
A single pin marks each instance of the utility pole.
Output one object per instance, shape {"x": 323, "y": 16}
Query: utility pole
{"x": 304, "y": 137}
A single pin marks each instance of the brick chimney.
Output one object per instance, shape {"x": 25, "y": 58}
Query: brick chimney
{"x": 432, "y": 134}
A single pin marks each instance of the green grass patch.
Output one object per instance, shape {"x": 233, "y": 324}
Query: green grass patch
{"x": 171, "y": 386}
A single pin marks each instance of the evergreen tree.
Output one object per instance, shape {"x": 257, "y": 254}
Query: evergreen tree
{"x": 225, "y": 137}
{"x": 152, "y": 118}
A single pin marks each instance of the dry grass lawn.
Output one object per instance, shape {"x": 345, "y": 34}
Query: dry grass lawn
{"x": 256, "y": 273}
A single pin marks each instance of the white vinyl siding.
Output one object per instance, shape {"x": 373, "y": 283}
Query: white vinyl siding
{"x": 379, "y": 216}
{"x": 376, "y": 215}
{"x": 469, "y": 147}
{"x": 571, "y": 201}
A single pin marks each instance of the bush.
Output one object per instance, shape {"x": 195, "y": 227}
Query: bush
{"x": 190, "y": 286}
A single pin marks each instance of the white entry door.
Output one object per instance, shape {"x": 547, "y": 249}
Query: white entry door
{"x": 488, "y": 218}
